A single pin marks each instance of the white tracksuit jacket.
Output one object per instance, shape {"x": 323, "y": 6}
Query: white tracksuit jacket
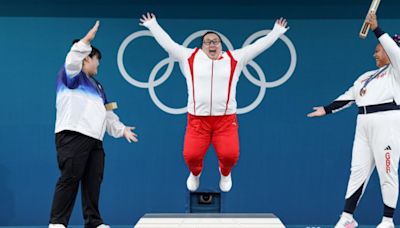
{"x": 211, "y": 84}
{"x": 80, "y": 105}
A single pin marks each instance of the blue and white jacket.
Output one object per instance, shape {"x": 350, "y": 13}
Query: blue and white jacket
{"x": 80, "y": 101}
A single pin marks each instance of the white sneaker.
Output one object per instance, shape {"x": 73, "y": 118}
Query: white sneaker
{"x": 225, "y": 183}
{"x": 386, "y": 224}
{"x": 103, "y": 226}
{"x": 193, "y": 182}
{"x": 56, "y": 226}
{"x": 346, "y": 222}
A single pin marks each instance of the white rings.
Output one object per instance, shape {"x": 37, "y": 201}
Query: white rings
{"x": 152, "y": 82}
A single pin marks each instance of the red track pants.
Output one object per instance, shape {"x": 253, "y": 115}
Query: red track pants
{"x": 221, "y": 131}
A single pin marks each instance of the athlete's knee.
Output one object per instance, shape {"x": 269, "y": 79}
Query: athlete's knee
{"x": 359, "y": 173}
{"x": 230, "y": 159}
{"x": 68, "y": 180}
{"x": 390, "y": 185}
{"x": 70, "y": 173}
{"x": 192, "y": 158}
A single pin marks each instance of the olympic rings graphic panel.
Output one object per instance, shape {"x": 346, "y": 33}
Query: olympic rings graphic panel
{"x": 170, "y": 62}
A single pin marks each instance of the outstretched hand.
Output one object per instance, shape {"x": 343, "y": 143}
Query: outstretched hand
{"x": 130, "y": 135}
{"x": 318, "y": 111}
{"x": 282, "y": 22}
{"x": 371, "y": 20}
{"x": 91, "y": 34}
{"x": 146, "y": 17}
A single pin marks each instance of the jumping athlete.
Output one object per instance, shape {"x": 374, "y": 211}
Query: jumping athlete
{"x": 211, "y": 77}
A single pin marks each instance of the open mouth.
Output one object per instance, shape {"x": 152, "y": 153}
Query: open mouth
{"x": 212, "y": 51}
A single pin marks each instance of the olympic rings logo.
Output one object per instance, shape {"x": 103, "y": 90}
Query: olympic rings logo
{"x": 152, "y": 82}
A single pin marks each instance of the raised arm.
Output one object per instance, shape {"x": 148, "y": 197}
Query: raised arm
{"x": 79, "y": 51}
{"x": 253, "y": 50}
{"x": 343, "y": 101}
{"x": 390, "y": 46}
{"x": 175, "y": 50}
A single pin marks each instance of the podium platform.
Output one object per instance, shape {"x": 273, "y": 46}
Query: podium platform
{"x": 209, "y": 220}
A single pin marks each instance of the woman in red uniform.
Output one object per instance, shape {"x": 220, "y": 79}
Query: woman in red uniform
{"x": 211, "y": 77}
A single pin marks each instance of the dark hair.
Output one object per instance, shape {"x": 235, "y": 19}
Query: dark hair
{"x": 94, "y": 52}
{"x": 209, "y": 32}
{"x": 396, "y": 39}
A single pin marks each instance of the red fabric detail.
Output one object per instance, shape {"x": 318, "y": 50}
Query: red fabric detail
{"x": 233, "y": 68}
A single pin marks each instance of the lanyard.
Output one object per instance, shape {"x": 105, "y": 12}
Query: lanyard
{"x": 373, "y": 76}
{"x": 100, "y": 90}
{"x": 363, "y": 90}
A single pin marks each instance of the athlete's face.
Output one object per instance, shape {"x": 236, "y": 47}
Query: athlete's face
{"x": 90, "y": 65}
{"x": 212, "y": 46}
{"x": 381, "y": 58}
